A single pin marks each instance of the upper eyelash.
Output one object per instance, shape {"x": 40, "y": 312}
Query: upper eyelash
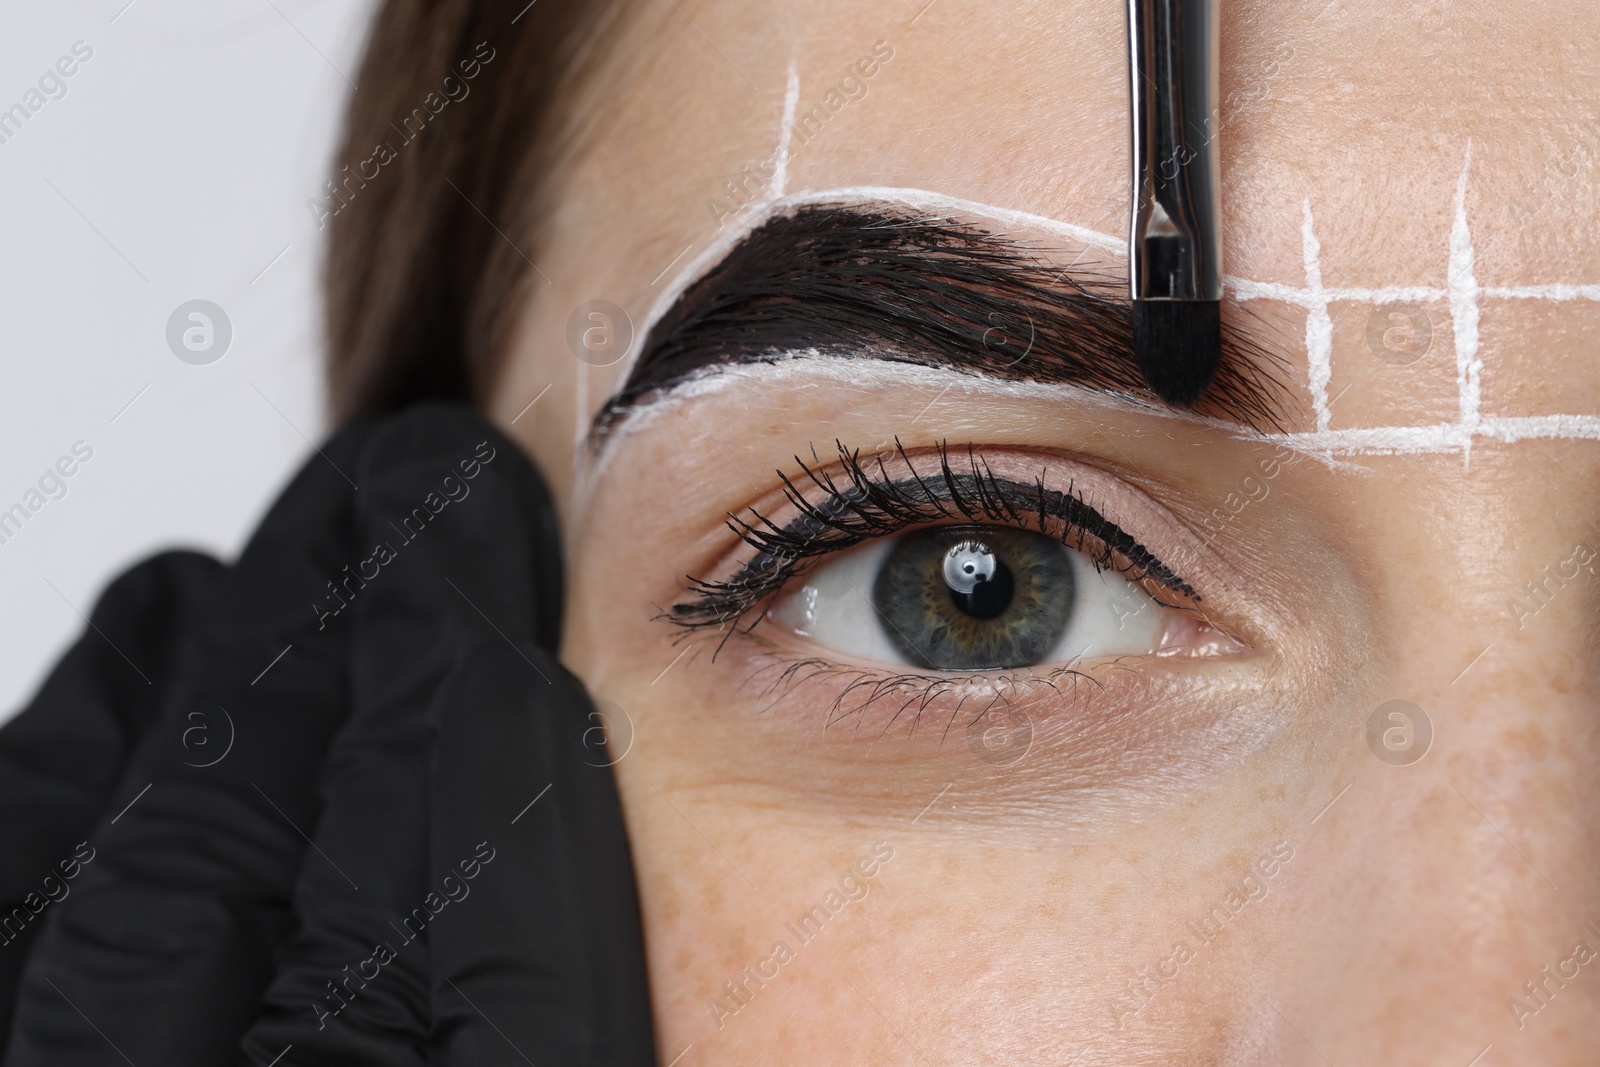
{"x": 871, "y": 507}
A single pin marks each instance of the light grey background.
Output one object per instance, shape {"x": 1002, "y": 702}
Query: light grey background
{"x": 176, "y": 167}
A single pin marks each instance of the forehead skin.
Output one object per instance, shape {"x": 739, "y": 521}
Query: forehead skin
{"x": 1412, "y": 910}
{"x": 1362, "y": 110}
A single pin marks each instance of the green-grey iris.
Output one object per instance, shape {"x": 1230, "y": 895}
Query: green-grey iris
{"x": 975, "y": 597}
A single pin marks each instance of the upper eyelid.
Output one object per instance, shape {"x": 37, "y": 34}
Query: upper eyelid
{"x": 988, "y": 496}
{"x": 1085, "y": 514}
{"x": 1147, "y": 562}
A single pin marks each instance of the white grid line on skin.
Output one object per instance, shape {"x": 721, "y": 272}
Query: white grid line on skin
{"x": 1462, "y": 294}
{"x": 1463, "y": 288}
{"x": 1319, "y": 327}
{"x": 1243, "y": 289}
{"x": 791, "y": 100}
{"x": 1297, "y": 296}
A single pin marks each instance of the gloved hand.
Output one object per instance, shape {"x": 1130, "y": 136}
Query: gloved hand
{"x": 347, "y": 806}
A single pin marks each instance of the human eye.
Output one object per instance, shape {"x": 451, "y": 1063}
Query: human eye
{"x": 937, "y": 563}
{"x": 974, "y": 598}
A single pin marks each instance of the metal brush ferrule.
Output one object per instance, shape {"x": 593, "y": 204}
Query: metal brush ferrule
{"x": 1174, "y": 248}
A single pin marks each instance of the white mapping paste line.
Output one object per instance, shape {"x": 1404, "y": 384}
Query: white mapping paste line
{"x": 759, "y": 211}
{"x": 1550, "y": 427}
{"x": 1558, "y": 292}
{"x": 1319, "y": 327}
{"x": 743, "y": 223}
{"x": 1244, "y": 289}
{"x": 940, "y": 204}
{"x": 1441, "y": 437}
{"x": 810, "y": 368}
{"x": 791, "y": 100}
{"x": 1462, "y": 293}
{"x": 1463, "y": 287}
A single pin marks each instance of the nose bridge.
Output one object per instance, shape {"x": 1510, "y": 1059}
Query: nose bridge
{"x": 1463, "y": 855}
{"x": 1502, "y": 670}
{"x": 1493, "y": 574}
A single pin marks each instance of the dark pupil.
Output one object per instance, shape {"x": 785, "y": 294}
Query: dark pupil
{"x": 975, "y": 597}
{"x": 990, "y": 594}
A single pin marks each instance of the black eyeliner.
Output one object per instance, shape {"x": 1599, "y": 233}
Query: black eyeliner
{"x": 867, "y": 507}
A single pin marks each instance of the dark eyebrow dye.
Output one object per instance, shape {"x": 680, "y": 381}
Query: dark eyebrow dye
{"x": 921, "y": 290}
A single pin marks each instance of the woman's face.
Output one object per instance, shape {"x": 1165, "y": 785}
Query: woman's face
{"x": 1143, "y": 797}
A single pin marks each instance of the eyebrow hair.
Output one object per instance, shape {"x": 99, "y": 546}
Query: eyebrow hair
{"x": 894, "y": 285}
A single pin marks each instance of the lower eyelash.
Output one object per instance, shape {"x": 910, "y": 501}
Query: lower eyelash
{"x": 874, "y": 504}
{"x": 885, "y": 699}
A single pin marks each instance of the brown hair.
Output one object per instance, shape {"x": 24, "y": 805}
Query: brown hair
{"x": 427, "y": 257}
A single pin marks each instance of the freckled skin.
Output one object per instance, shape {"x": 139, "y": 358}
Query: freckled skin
{"x": 1024, "y": 899}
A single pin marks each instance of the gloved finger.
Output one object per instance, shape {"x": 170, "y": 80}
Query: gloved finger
{"x": 61, "y": 757}
{"x": 162, "y": 950}
{"x": 459, "y": 545}
{"x": 541, "y": 959}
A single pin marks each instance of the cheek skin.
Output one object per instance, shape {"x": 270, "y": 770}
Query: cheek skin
{"x": 715, "y": 909}
{"x": 934, "y": 946}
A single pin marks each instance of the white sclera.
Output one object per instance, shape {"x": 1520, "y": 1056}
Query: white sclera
{"x": 1111, "y": 615}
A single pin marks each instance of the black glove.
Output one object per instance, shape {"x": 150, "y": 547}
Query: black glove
{"x": 371, "y": 822}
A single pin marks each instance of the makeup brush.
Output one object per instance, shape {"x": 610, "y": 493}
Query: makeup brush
{"x": 1174, "y": 247}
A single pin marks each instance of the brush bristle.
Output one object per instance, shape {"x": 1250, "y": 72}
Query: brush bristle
{"x": 1179, "y": 344}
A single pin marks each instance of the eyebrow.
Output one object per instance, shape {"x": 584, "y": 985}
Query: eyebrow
{"x": 887, "y": 284}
